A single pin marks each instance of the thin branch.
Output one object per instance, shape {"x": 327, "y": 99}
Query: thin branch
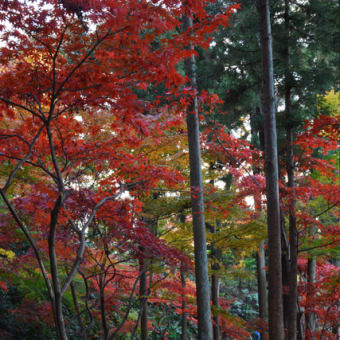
{"x": 31, "y": 242}
{"x": 86, "y": 300}
{"x": 112, "y": 336}
{"x": 82, "y": 88}
{"x": 9, "y": 102}
{"x": 76, "y": 264}
{"x": 54, "y": 159}
{"x": 22, "y": 161}
{"x": 81, "y": 248}
{"x": 87, "y": 55}
{"x": 326, "y": 210}
{"x": 319, "y": 246}
{"x": 39, "y": 166}
{"x": 237, "y": 161}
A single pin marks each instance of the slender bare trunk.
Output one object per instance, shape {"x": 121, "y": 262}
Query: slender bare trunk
{"x": 262, "y": 282}
{"x": 293, "y": 244}
{"x": 76, "y": 307}
{"x": 257, "y": 132}
{"x": 184, "y": 315}
{"x": 58, "y": 306}
{"x": 310, "y": 317}
{"x": 215, "y": 287}
{"x": 102, "y": 308}
{"x": 143, "y": 287}
{"x": 293, "y": 236}
{"x": 200, "y": 246}
{"x": 276, "y": 329}
{"x": 215, "y": 291}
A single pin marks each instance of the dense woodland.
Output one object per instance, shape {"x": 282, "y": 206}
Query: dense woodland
{"x": 169, "y": 169}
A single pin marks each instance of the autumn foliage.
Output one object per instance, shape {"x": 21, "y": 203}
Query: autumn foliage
{"x": 93, "y": 156}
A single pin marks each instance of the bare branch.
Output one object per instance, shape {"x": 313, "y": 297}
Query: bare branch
{"x": 113, "y": 334}
{"x": 327, "y": 209}
{"x": 20, "y": 106}
{"x": 31, "y": 242}
{"x": 54, "y": 159}
{"x": 22, "y": 161}
{"x": 87, "y": 55}
{"x": 320, "y": 246}
{"x": 76, "y": 263}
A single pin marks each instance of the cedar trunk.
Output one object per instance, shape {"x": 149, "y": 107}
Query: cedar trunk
{"x": 276, "y": 329}
{"x": 293, "y": 243}
{"x": 293, "y": 236}
{"x": 200, "y": 246}
{"x": 260, "y": 255}
{"x": 262, "y": 282}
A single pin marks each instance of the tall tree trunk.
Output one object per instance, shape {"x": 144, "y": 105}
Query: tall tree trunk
{"x": 102, "y": 307}
{"x": 200, "y": 246}
{"x": 276, "y": 329}
{"x": 262, "y": 282}
{"x": 293, "y": 236}
{"x": 143, "y": 290}
{"x": 285, "y": 263}
{"x": 293, "y": 244}
{"x": 310, "y": 317}
{"x": 215, "y": 288}
{"x": 76, "y": 307}
{"x": 58, "y": 305}
{"x": 214, "y": 298}
{"x": 184, "y": 321}
{"x": 257, "y": 132}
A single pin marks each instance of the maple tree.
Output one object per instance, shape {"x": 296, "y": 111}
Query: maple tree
{"x": 96, "y": 231}
{"x": 69, "y": 74}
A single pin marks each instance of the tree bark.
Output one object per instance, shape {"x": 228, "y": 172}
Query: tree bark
{"x": 293, "y": 236}
{"x": 57, "y": 306}
{"x": 262, "y": 282}
{"x": 310, "y": 317}
{"x": 102, "y": 308}
{"x": 276, "y": 329}
{"x": 200, "y": 246}
{"x": 293, "y": 244}
{"x": 257, "y": 132}
{"x": 76, "y": 307}
{"x": 184, "y": 321}
{"x": 214, "y": 298}
{"x": 215, "y": 288}
{"x": 143, "y": 300}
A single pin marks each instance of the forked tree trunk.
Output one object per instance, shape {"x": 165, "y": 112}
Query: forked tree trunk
{"x": 200, "y": 246}
{"x": 276, "y": 329}
{"x": 57, "y": 303}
